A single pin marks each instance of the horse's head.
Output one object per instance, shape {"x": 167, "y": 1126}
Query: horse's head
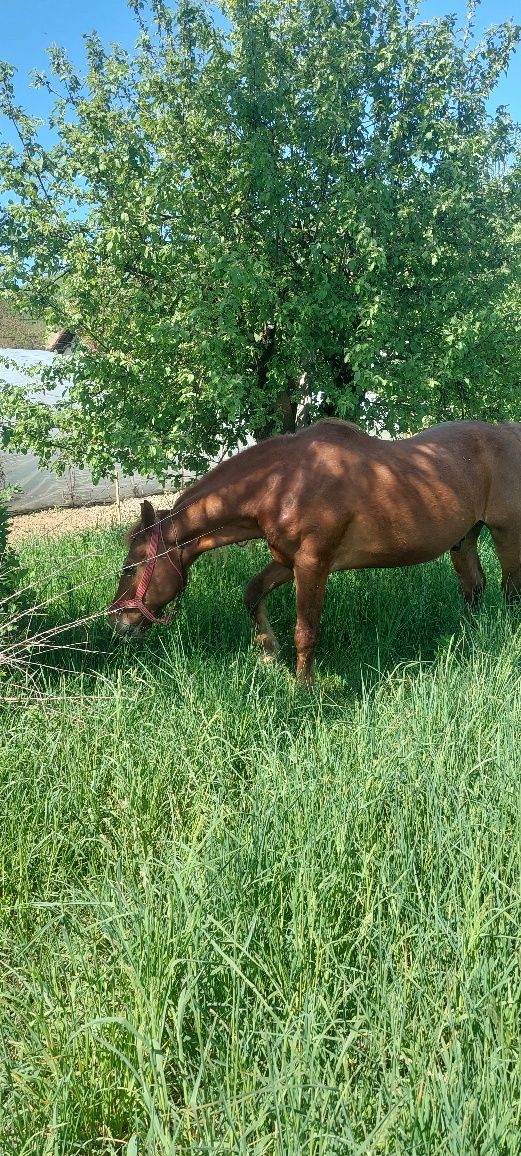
{"x": 153, "y": 575}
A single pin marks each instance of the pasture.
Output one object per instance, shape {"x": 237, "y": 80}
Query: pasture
{"x": 243, "y": 917}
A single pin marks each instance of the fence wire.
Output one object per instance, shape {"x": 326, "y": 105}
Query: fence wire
{"x": 36, "y": 635}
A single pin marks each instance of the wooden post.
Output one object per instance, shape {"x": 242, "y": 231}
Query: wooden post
{"x": 118, "y": 498}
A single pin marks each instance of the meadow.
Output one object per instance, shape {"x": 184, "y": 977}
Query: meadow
{"x": 240, "y": 917}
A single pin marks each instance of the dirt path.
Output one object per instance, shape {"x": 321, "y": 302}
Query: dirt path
{"x": 52, "y": 523}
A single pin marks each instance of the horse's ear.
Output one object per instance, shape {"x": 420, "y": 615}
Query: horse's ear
{"x": 148, "y": 515}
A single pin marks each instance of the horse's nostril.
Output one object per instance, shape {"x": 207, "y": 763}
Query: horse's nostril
{"x": 122, "y": 626}
{"x": 126, "y": 630}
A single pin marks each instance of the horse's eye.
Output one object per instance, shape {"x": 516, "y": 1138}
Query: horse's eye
{"x": 130, "y": 568}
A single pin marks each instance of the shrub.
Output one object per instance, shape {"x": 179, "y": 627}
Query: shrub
{"x": 10, "y": 583}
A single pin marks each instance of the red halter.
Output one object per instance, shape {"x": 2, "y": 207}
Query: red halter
{"x": 137, "y": 603}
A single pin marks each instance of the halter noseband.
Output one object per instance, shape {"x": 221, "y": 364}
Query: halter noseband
{"x": 137, "y": 602}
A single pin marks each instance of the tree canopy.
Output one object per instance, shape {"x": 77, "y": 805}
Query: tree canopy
{"x": 267, "y": 203}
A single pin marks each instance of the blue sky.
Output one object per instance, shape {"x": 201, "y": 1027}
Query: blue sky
{"x": 27, "y": 27}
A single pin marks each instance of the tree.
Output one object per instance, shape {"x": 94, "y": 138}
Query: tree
{"x": 289, "y": 200}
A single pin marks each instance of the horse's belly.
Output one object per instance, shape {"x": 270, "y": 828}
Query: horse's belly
{"x": 360, "y": 559}
{"x": 386, "y": 544}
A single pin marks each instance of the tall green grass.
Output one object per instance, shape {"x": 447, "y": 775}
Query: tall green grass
{"x": 239, "y": 917}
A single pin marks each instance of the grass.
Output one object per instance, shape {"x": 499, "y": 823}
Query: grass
{"x": 239, "y": 917}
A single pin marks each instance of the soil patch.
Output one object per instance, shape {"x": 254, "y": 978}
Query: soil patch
{"x": 52, "y": 523}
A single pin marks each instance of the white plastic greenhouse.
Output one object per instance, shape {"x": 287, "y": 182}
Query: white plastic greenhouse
{"x": 41, "y": 489}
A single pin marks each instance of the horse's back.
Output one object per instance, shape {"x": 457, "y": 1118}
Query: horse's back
{"x": 496, "y": 436}
{"x": 499, "y": 436}
{"x": 399, "y": 502}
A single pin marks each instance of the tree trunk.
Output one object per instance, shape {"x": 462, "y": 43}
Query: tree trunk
{"x": 344, "y": 384}
{"x": 284, "y": 413}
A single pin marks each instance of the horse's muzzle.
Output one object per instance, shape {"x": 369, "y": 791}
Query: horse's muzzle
{"x": 123, "y": 627}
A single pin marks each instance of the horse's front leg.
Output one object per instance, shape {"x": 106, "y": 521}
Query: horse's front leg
{"x": 254, "y": 596}
{"x": 310, "y": 582}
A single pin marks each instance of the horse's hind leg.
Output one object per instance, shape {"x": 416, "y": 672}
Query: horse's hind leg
{"x": 262, "y": 584}
{"x": 508, "y": 549}
{"x": 465, "y": 559}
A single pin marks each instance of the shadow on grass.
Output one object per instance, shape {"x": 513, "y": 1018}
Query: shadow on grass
{"x": 373, "y": 621}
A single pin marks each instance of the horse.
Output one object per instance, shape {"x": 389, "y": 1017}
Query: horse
{"x": 331, "y": 497}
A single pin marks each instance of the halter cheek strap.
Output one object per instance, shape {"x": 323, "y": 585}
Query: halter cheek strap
{"x": 137, "y": 603}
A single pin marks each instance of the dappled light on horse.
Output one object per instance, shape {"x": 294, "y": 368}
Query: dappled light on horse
{"x": 332, "y": 498}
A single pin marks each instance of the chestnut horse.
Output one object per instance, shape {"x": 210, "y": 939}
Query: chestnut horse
{"x": 331, "y": 497}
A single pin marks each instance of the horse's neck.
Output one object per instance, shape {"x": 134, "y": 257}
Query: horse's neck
{"x": 213, "y": 518}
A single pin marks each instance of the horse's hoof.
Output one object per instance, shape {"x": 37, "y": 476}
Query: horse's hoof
{"x": 268, "y": 659}
{"x": 268, "y": 647}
